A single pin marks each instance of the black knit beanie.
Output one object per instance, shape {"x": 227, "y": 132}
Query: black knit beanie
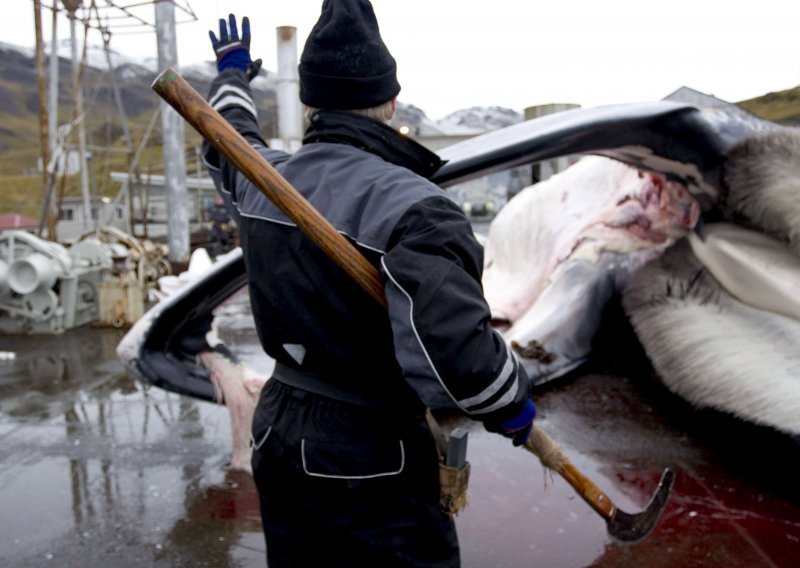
{"x": 345, "y": 64}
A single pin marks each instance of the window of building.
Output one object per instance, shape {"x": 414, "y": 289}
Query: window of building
{"x": 66, "y": 214}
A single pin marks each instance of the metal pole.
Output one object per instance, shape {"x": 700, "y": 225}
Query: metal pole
{"x": 52, "y": 115}
{"x": 88, "y": 222}
{"x": 287, "y": 93}
{"x": 47, "y": 217}
{"x": 173, "y": 140}
{"x": 115, "y": 89}
{"x": 198, "y": 155}
{"x": 125, "y": 191}
{"x": 42, "y": 87}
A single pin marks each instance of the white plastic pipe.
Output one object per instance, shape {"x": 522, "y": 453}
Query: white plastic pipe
{"x": 32, "y": 272}
{"x": 290, "y": 113}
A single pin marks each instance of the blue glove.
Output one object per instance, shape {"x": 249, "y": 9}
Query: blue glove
{"x": 518, "y": 427}
{"x": 231, "y": 51}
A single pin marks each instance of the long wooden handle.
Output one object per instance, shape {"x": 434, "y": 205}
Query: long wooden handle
{"x": 181, "y": 96}
{"x": 213, "y": 127}
{"x": 551, "y": 456}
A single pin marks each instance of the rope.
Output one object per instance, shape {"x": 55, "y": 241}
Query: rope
{"x": 546, "y": 450}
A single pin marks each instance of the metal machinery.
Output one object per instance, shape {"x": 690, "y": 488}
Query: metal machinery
{"x": 103, "y": 278}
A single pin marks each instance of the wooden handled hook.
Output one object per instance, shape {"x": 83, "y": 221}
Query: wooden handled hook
{"x": 171, "y": 87}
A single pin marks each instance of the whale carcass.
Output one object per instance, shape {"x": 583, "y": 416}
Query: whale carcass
{"x": 560, "y": 249}
{"x": 719, "y": 314}
{"x": 624, "y": 226}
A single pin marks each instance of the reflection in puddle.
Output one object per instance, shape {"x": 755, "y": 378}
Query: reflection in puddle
{"x": 96, "y": 468}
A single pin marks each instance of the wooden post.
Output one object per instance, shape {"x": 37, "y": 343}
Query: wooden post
{"x": 44, "y": 137}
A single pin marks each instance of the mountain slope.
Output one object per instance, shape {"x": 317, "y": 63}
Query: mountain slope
{"x": 21, "y": 188}
{"x": 781, "y": 106}
{"x": 19, "y": 104}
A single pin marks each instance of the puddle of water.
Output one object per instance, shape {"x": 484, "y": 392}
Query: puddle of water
{"x": 96, "y": 467}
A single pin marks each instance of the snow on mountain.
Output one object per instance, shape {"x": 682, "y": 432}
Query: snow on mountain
{"x": 130, "y": 67}
{"x": 207, "y": 71}
{"x": 415, "y": 120}
{"x": 266, "y": 80}
{"x": 127, "y": 67}
{"x": 466, "y": 121}
{"x": 96, "y": 56}
{"x": 26, "y": 51}
{"x": 475, "y": 120}
{"x": 480, "y": 119}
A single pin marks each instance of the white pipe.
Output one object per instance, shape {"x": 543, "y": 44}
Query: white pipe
{"x": 290, "y": 114}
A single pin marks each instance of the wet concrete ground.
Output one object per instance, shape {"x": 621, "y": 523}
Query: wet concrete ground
{"x": 99, "y": 469}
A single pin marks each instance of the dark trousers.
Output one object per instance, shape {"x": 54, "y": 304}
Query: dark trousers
{"x": 220, "y": 241}
{"x": 345, "y": 485}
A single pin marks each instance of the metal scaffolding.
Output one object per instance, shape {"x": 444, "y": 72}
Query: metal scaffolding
{"x": 126, "y": 17}
{"x": 109, "y": 18}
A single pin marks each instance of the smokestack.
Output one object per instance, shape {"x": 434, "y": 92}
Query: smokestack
{"x": 290, "y": 114}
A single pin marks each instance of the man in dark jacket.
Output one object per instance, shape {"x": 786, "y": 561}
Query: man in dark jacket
{"x": 220, "y": 221}
{"x": 344, "y": 462}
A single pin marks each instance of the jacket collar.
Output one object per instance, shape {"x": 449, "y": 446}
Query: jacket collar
{"x": 342, "y": 127}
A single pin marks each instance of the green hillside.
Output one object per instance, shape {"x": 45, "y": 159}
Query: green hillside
{"x": 781, "y": 106}
{"x": 21, "y": 185}
{"x": 22, "y": 188}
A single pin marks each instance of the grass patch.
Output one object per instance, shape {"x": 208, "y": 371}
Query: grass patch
{"x": 22, "y": 194}
{"x": 781, "y": 106}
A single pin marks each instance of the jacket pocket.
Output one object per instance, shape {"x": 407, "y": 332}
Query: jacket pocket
{"x": 353, "y": 459}
{"x": 260, "y": 430}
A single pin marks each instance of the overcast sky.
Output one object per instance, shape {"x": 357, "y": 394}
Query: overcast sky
{"x": 453, "y": 54}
